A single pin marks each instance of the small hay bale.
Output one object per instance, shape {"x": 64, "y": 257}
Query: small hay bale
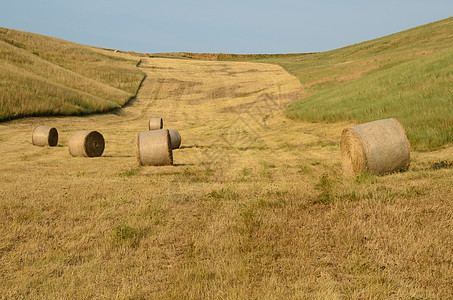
{"x": 86, "y": 143}
{"x": 379, "y": 147}
{"x": 44, "y": 136}
{"x": 155, "y": 123}
{"x": 175, "y": 138}
{"x": 154, "y": 148}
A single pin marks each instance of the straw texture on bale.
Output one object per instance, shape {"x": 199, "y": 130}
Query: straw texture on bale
{"x": 44, "y": 136}
{"x": 378, "y": 147}
{"x": 86, "y": 143}
{"x": 155, "y": 123}
{"x": 175, "y": 138}
{"x": 154, "y": 148}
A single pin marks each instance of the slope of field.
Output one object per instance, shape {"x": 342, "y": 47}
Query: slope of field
{"x": 407, "y": 75}
{"x": 255, "y": 206}
{"x": 41, "y": 75}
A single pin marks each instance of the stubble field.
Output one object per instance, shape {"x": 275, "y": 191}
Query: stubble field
{"x": 255, "y": 206}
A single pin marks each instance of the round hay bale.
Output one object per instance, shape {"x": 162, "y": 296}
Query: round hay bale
{"x": 175, "y": 138}
{"x": 44, "y": 136}
{"x": 154, "y": 148}
{"x": 155, "y": 123}
{"x": 86, "y": 143}
{"x": 378, "y": 147}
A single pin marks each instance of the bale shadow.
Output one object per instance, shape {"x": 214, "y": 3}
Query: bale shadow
{"x": 444, "y": 164}
{"x": 193, "y": 146}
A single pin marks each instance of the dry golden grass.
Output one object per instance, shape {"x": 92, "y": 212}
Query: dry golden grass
{"x": 255, "y": 206}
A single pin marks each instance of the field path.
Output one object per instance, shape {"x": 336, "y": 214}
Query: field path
{"x": 240, "y": 214}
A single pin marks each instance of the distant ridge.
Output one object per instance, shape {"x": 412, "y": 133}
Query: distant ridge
{"x": 222, "y": 56}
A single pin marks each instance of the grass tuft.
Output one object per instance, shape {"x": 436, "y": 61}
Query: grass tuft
{"x": 324, "y": 186}
{"x": 124, "y": 235}
{"x": 223, "y": 194}
{"x": 129, "y": 173}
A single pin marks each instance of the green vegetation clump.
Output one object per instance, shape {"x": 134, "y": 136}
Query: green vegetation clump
{"x": 41, "y": 75}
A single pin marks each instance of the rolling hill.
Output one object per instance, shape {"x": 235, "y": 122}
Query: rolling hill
{"x": 41, "y": 75}
{"x": 407, "y": 75}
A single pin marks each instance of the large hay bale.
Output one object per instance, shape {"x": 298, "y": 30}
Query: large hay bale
{"x": 154, "y": 148}
{"x": 44, "y": 136}
{"x": 86, "y": 143}
{"x": 155, "y": 123}
{"x": 379, "y": 147}
{"x": 175, "y": 138}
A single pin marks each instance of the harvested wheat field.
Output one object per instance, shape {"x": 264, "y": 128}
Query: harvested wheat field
{"x": 255, "y": 205}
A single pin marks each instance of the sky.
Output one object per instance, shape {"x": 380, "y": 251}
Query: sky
{"x": 233, "y": 26}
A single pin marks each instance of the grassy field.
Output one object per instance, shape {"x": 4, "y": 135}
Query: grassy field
{"x": 41, "y": 75}
{"x": 407, "y": 75}
{"x": 255, "y": 206}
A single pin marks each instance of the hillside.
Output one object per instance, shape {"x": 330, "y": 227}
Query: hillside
{"x": 40, "y": 75}
{"x": 407, "y": 75}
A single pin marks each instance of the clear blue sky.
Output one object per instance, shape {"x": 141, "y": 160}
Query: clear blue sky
{"x": 232, "y": 26}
